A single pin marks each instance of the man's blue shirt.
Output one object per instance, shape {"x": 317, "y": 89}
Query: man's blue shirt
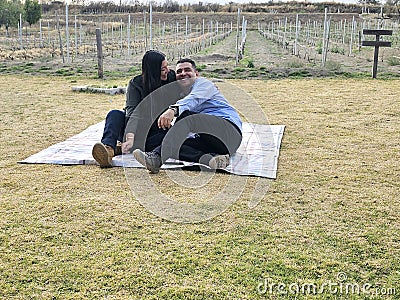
{"x": 205, "y": 98}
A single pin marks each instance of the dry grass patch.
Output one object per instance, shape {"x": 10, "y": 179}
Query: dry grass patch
{"x": 78, "y": 233}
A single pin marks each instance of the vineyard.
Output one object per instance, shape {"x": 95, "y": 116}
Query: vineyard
{"x": 326, "y": 228}
{"x": 232, "y": 45}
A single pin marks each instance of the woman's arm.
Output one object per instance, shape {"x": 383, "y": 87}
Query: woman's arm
{"x": 134, "y": 94}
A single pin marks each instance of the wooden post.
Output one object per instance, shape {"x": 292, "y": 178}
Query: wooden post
{"x": 151, "y": 26}
{"x": 203, "y": 41}
{"x": 40, "y": 34}
{"x": 67, "y": 32}
{"x": 99, "y": 53}
{"x": 186, "y": 35}
{"x": 353, "y": 28}
{"x": 120, "y": 36}
{"x": 145, "y": 30}
{"x": 59, "y": 38}
{"x": 284, "y": 34}
{"x": 20, "y": 32}
{"x": 76, "y": 37}
{"x": 377, "y": 43}
{"x": 324, "y": 38}
{"x": 296, "y": 38}
{"x": 128, "y": 35}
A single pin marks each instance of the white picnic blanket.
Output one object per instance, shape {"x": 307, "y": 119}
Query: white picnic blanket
{"x": 257, "y": 155}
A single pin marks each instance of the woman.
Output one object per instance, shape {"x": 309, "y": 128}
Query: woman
{"x": 155, "y": 73}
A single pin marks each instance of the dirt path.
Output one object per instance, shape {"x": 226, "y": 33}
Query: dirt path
{"x": 261, "y": 59}
{"x": 259, "y": 50}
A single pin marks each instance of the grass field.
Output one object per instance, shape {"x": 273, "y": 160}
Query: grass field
{"x": 330, "y": 221}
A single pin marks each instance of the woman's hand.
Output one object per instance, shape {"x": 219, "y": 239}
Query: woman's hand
{"x": 164, "y": 121}
{"x": 128, "y": 144}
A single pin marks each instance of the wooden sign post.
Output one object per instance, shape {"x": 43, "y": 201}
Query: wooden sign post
{"x": 99, "y": 53}
{"x": 377, "y": 43}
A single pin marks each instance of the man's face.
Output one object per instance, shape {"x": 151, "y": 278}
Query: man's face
{"x": 185, "y": 74}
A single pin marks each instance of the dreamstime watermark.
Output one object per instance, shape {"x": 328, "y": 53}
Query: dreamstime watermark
{"x": 149, "y": 190}
{"x": 341, "y": 286}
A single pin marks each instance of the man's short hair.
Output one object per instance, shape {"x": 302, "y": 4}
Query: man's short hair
{"x": 191, "y": 61}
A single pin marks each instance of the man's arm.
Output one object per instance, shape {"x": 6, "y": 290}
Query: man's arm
{"x": 202, "y": 91}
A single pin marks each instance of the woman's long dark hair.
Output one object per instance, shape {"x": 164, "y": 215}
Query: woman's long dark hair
{"x": 151, "y": 70}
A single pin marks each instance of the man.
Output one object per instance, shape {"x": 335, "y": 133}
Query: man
{"x": 207, "y": 129}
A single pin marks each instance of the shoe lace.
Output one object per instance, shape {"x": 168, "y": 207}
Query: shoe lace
{"x": 222, "y": 161}
{"x": 152, "y": 154}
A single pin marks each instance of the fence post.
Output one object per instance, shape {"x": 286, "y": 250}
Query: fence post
{"x": 59, "y": 38}
{"x": 186, "y": 35}
{"x": 128, "y": 35}
{"x": 76, "y": 37}
{"x": 67, "y": 32}
{"x": 145, "y": 30}
{"x": 237, "y": 37}
{"x": 203, "y": 39}
{"x": 151, "y": 26}
{"x": 296, "y": 37}
{"x": 324, "y": 38}
{"x": 40, "y": 34}
{"x": 353, "y": 28}
{"x": 99, "y": 53}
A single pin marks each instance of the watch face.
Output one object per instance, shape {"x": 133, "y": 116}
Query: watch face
{"x": 175, "y": 108}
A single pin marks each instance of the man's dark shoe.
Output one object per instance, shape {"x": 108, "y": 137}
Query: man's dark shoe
{"x": 151, "y": 160}
{"x": 219, "y": 162}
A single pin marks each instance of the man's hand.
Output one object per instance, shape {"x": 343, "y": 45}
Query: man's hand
{"x": 128, "y": 144}
{"x": 164, "y": 121}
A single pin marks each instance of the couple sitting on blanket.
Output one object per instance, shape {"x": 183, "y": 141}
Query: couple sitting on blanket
{"x": 207, "y": 129}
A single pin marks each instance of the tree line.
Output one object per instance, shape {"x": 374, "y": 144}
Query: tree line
{"x": 391, "y": 7}
{"x": 13, "y": 12}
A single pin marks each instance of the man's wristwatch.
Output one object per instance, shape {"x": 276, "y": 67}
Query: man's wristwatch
{"x": 175, "y": 108}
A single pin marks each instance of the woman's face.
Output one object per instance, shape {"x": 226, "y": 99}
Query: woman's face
{"x": 164, "y": 69}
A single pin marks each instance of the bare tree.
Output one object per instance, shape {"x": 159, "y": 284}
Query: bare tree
{"x": 393, "y": 7}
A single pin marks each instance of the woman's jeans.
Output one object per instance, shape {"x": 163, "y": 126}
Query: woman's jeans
{"x": 114, "y": 131}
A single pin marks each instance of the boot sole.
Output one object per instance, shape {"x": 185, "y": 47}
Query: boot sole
{"x": 100, "y": 154}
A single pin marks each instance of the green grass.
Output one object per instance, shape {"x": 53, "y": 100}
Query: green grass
{"x": 201, "y": 68}
{"x": 336, "y": 49}
{"x": 393, "y": 61}
{"x": 299, "y": 74}
{"x": 295, "y": 64}
{"x": 78, "y": 232}
{"x": 333, "y": 66}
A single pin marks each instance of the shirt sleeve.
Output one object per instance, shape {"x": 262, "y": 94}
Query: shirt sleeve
{"x": 133, "y": 97}
{"x": 202, "y": 91}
